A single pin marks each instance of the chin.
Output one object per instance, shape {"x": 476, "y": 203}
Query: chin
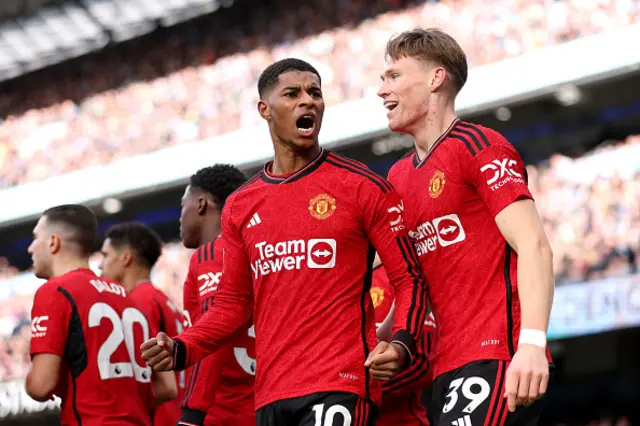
{"x": 306, "y": 143}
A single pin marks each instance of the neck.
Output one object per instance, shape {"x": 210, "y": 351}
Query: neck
{"x": 135, "y": 276}
{"x": 439, "y": 117}
{"x": 69, "y": 263}
{"x": 210, "y": 232}
{"x": 289, "y": 159}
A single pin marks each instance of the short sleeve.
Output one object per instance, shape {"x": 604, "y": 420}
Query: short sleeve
{"x": 50, "y": 317}
{"x": 496, "y": 172}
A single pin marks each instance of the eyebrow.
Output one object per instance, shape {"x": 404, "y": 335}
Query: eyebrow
{"x": 387, "y": 72}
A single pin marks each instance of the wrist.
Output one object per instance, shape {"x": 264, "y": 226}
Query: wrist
{"x": 530, "y": 336}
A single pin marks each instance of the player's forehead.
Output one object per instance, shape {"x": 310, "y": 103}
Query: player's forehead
{"x": 40, "y": 225}
{"x": 404, "y": 63}
{"x": 297, "y": 79}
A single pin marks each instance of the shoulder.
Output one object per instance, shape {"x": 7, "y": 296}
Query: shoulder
{"x": 358, "y": 171}
{"x": 474, "y": 139}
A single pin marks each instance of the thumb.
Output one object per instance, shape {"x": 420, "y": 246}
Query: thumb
{"x": 377, "y": 350}
{"x": 163, "y": 340}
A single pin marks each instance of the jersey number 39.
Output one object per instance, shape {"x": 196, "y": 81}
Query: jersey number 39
{"x": 122, "y": 332}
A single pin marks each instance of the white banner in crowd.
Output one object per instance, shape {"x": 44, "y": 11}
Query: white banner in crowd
{"x": 14, "y": 401}
{"x": 595, "y": 306}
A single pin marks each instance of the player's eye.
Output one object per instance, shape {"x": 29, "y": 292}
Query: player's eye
{"x": 291, "y": 94}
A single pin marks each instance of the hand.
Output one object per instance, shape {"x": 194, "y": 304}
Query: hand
{"x": 385, "y": 360}
{"x": 158, "y": 352}
{"x": 527, "y": 376}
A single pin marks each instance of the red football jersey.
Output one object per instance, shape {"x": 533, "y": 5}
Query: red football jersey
{"x": 90, "y": 322}
{"x": 298, "y": 254}
{"x": 401, "y": 397}
{"x": 221, "y": 385}
{"x": 451, "y": 198}
{"x": 163, "y": 315}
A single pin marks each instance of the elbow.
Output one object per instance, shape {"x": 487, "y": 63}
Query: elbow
{"x": 39, "y": 390}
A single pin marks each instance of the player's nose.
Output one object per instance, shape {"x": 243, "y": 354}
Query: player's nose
{"x": 383, "y": 91}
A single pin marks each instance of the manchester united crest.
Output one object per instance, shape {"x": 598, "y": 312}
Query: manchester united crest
{"x": 322, "y": 206}
{"x": 377, "y": 296}
{"x": 436, "y": 184}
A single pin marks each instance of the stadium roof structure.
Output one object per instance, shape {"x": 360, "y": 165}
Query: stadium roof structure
{"x": 51, "y": 33}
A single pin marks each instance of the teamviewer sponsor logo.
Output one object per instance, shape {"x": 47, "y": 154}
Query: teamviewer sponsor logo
{"x": 294, "y": 255}
{"x": 501, "y": 172}
{"x": 440, "y": 232}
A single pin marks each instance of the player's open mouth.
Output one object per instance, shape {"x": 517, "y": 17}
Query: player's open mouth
{"x": 390, "y": 106}
{"x": 306, "y": 125}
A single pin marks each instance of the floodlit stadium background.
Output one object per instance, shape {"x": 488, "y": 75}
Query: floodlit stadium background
{"x": 114, "y": 103}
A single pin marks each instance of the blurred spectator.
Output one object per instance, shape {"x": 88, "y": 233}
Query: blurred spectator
{"x": 198, "y": 80}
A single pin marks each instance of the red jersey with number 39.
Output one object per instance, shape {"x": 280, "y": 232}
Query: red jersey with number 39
{"x": 163, "y": 315}
{"x": 220, "y": 385}
{"x": 451, "y": 199}
{"x": 91, "y": 323}
{"x": 401, "y": 397}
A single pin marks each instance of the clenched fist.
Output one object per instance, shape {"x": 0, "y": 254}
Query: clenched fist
{"x": 158, "y": 352}
{"x": 386, "y": 360}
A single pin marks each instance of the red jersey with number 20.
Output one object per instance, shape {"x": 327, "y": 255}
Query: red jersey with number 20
{"x": 452, "y": 197}
{"x": 401, "y": 397}
{"x": 298, "y": 254}
{"x": 163, "y": 315}
{"x": 221, "y": 385}
{"x": 90, "y": 322}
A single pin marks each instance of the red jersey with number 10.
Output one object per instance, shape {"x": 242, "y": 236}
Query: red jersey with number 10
{"x": 452, "y": 197}
{"x": 298, "y": 254}
{"x": 221, "y": 385}
{"x": 92, "y": 324}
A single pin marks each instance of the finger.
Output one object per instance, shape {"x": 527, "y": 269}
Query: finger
{"x": 150, "y": 353}
{"x": 544, "y": 382}
{"x": 378, "y": 349}
{"x": 511, "y": 390}
{"x": 153, "y": 362}
{"x": 148, "y": 344}
{"x": 164, "y": 365}
{"x": 534, "y": 387}
{"x": 387, "y": 366}
{"x": 384, "y": 357}
{"x": 382, "y": 375}
{"x": 163, "y": 339}
{"x": 523, "y": 387}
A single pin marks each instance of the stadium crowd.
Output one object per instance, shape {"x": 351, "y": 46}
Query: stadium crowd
{"x": 197, "y": 81}
{"x": 591, "y": 218}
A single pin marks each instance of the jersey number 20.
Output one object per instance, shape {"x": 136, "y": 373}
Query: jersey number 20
{"x": 122, "y": 332}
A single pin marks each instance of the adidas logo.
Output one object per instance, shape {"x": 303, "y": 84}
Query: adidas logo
{"x": 462, "y": 421}
{"x": 255, "y": 220}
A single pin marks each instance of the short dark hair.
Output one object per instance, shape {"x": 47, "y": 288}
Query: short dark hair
{"x": 219, "y": 180}
{"x": 79, "y": 220}
{"x": 269, "y": 77}
{"x": 143, "y": 240}
{"x": 435, "y": 45}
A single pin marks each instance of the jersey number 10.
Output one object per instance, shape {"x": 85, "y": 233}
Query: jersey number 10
{"x": 122, "y": 332}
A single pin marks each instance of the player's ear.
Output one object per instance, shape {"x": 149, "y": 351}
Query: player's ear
{"x": 127, "y": 258}
{"x": 55, "y": 243}
{"x": 202, "y": 205}
{"x": 437, "y": 77}
{"x": 263, "y": 109}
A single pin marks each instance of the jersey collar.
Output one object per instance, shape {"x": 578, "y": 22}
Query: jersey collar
{"x": 417, "y": 163}
{"x": 268, "y": 177}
